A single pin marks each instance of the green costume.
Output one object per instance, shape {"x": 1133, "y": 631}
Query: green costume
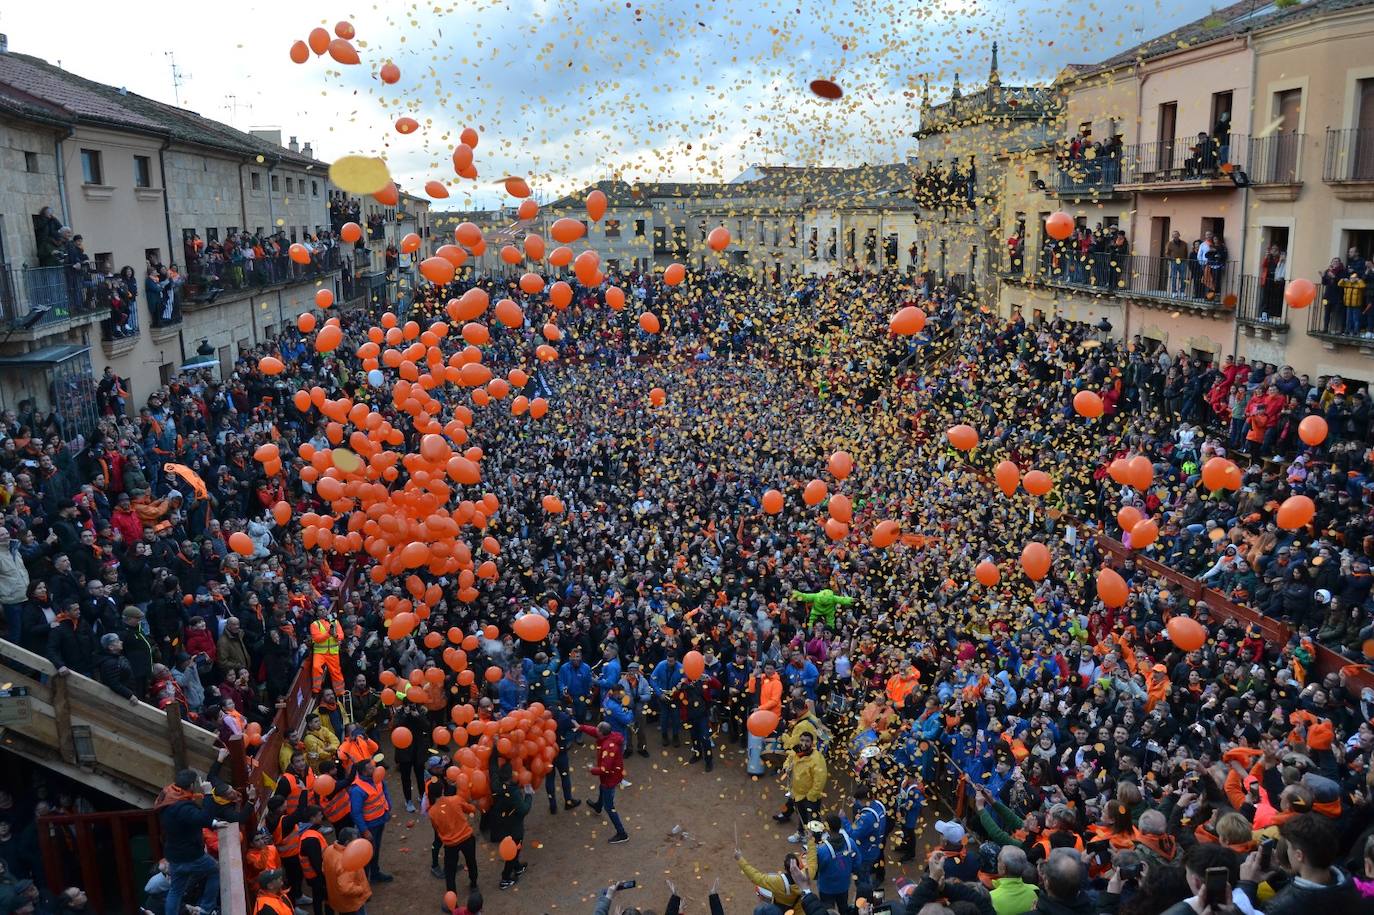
{"x": 823, "y": 604}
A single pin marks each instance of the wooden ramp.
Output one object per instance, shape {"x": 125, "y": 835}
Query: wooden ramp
{"x": 77, "y": 726}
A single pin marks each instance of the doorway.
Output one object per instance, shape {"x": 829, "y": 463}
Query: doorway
{"x": 1273, "y": 275}
{"x": 1159, "y": 234}
{"x": 1362, "y": 151}
{"x": 1214, "y": 224}
{"x": 1168, "y": 124}
{"x": 1221, "y": 120}
{"x": 1282, "y": 164}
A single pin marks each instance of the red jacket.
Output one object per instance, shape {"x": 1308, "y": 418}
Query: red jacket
{"x": 610, "y": 756}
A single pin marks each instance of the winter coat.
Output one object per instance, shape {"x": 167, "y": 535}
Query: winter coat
{"x": 114, "y": 671}
{"x": 14, "y": 576}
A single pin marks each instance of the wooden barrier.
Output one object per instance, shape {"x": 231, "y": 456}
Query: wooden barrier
{"x": 109, "y": 855}
{"x": 80, "y": 728}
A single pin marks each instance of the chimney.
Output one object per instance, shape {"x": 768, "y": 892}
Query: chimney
{"x": 4, "y": 43}
{"x": 293, "y": 145}
{"x": 307, "y": 151}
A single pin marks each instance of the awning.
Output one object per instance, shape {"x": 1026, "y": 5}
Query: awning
{"x": 48, "y": 355}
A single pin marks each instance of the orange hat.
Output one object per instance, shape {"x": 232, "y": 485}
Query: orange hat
{"x": 1321, "y": 735}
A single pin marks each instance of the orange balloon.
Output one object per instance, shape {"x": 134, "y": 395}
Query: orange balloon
{"x": 281, "y": 512}
{"x": 1120, "y": 471}
{"x": 772, "y": 502}
{"x": 1300, "y": 293}
{"x": 300, "y": 52}
{"x": 532, "y": 627}
{"x": 510, "y": 314}
{"x": 1128, "y": 517}
{"x": 1295, "y": 512}
{"x": 305, "y": 323}
{"x": 438, "y": 270}
{"x": 401, "y": 737}
{"x": 909, "y": 320}
{"x": 405, "y": 125}
{"x": 814, "y": 493}
{"x": 552, "y": 504}
{"x": 1059, "y": 226}
{"x": 560, "y": 295}
{"x": 596, "y": 205}
{"x": 657, "y": 396}
{"x": 1037, "y": 482}
{"x": 963, "y": 437}
{"x": 1313, "y": 429}
{"x": 1035, "y": 560}
{"x": 649, "y": 323}
{"x": 516, "y": 187}
{"x": 324, "y": 298}
{"x": 841, "y": 509}
{"x": 762, "y": 722}
{"x": 527, "y": 210}
{"x": 343, "y": 52}
{"x": 1187, "y": 633}
{"x": 389, "y": 73}
{"x": 493, "y": 674}
{"x": 885, "y": 534}
{"x": 1216, "y": 473}
{"x": 358, "y": 853}
{"x": 271, "y": 365}
{"x": 1088, "y": 404}
{"x": 674, "y": 274}
{"x": 1144, "y": 533}
{"x": 718, "y": 239}
{"x": 350, "y": 232}
{"x": 318, "y": 39}
{"x": 567, "y": 230}
{"x": 1140, "y": 472}
{"x": 835, "y": 530}
{"x": 693, "y": 665}
{"x": 508, "y": 849}
{"x": 241, "y": 543}
{"x": 615, "y": 298}
{"x": 436, "y": 189}
{"x": 1112, "y": 588}
{"x": 987, "y": 573}
{"x": 840, "y": 465}
{"x": 324, "y": 783}
{"x": 1008, "y": 477}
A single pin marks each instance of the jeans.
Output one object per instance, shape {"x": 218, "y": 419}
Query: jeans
{"x": 605, "y": 800}
{"x": 1352, "y": 320}
{"x": 1178, "y": 277}
{"x": 669, "y": 720}
{"x": 374, "y": 867}
{"x": 183, "y": 872}
{"x": 560, "y": 768}
{"x": 14, "y": 619}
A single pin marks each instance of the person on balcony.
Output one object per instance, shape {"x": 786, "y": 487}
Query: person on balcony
{"x": 1273, "y": 276}
{"x": 1176, "y": 252}
{"x": 1333, "y": 296}
{"x": 47, "y": 230}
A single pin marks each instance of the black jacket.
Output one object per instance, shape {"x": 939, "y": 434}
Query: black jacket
{"x": 138, "y": 650}
{"x": 72, "y": 644}
{"x": 1339, "y": 898}
{"x": 114, "y": 671}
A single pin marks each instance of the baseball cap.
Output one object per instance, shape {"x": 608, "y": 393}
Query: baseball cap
{"x": 950, "y": 831}
{"x": 1322, "y": 596}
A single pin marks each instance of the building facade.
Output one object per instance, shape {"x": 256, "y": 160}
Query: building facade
{"x": 154, "y": 189}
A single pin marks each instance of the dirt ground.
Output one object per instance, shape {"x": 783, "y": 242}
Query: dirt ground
{"x": 681, "y": 820}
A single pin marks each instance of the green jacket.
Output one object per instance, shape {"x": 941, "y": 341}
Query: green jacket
{"x": 999, "y": 822}
{"x": 823, "y": 604}
{"x": 1013, "y": 896}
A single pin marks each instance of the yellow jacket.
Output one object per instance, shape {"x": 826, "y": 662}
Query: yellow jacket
{"x": 801, "y": 726}
{"x": 809, "y": 775}
{"x": 780, "y": 887}
{"x": 320, "y": 746}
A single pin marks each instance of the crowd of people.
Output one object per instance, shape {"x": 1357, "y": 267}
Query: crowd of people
{"x": 1093, "y": 766}
{"x": 243, "y": 259}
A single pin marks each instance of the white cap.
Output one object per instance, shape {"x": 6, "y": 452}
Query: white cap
{"x": 950, "y": 831}
{"x": 1322, "y": 596}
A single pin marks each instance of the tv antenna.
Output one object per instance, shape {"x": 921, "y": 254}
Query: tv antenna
{"x": 232, "y": 105}
{"x": 178, "y": 77}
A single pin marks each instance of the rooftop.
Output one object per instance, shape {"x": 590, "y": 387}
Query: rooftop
{"x": 30, "y": 87}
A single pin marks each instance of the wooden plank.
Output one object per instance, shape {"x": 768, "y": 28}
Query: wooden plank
{"x": 232, "y": 891}
{"x": 62, "y": 714}
{"x": 86, "y": 857}
{"x": 176, "y": 737}
{"x": 123, "y": 864}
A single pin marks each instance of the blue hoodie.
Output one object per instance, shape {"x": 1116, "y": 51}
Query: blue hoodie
{"x": 575, "y": 679}
{"x": 836, "y": 858}
{"x": 666, "y": 675}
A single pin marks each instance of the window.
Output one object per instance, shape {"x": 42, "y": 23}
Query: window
{"x": 276, "y": 185}
{"x": 255, "y": 181}
{"x": 639, "y": 228}
{"x": 31, "y": 162}
{"x": 792, "y": 235}
{"x": 143, "y": 171}
{"x": 290, "y": 185}
{"x": 212, "y": 234}
{"x": 293, "y": 233}
{"x": 612, "y": 228}
{"x": 314, "y": 188}
{"x": 232, "y": 230}
{"x": 104, "y": 262}
{"x": 91, "y": 172}
{"x": 152, "y": 255}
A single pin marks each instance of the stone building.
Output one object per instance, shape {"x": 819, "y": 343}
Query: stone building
{"x": 143, "y": 184}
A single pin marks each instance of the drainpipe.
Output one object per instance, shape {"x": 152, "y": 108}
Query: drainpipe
{"x": 62, "y": 176}
{"x": 166, "y": 199}
{"x": 1245, "y": 202}
{"x": 243, "y": 203}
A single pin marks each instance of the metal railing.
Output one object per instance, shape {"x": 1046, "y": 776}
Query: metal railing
{"x": 266, "y": 271}
{"x": 1262, "y": 304}
{"x": 1335, "y": 322}
{"x": 1184, "y": 281}
{"x": 1276, "y": 159}
{"x": 1088, "y": 176}
{"x": 117, "y": 327}
{"x": 1349, "y": 155}
{"x": 41, "y": 296}
{"x": 1184, "y": 159}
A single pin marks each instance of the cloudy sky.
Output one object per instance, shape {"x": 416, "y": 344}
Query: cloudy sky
{"x": 565, "y": 93}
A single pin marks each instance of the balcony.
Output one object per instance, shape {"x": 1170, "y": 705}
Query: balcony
{"x": 37, "y": 301}
{"x": 1338, "y": 326}
{"x": 1349, "y": 165}
{"x": 1087, "y": 179}
{"x": 1275, "y": 166}
{"x": 1153, "y": 281}
{"x": 209, "y": 282}
{"x": 1262, "y": 310}
{"x": 1184, "y": 164}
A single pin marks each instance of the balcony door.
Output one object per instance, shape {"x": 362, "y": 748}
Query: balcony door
{"x": 1168, "y": 130}
{"x": 1284, "y": 162}
{"x": 1362, "y": 166}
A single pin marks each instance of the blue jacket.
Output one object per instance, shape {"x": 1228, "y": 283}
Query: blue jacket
{"x": 575, "y": 680}
{"x": 666, "y": 675}
{"x": 640, "y": 692}
{"x": 610, "y": 674}
{"x": 508, "y": 695}
{"x": 909, "y": 805}
{"x": 357, "y": 799}
{"x": 542, "y": 680}
{"x": 808, "y": 676}
{"x": 835, "y": 863}
{"x": 620, "y": 716}
{"x": 869, "y": 830}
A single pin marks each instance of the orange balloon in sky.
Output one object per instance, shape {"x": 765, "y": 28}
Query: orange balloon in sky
{"x": 567, "y": 230}
{"x": 596, "y": 205}
{"x": 1035, "y": 560}
{"x": 1008, "y": 477}
{"x": 987, "y": 573}
{"x": 674, "y": 274}
{"x": 649, "y": 323}
{"x": 1059, "y": 226}
{"x": 1037, "y": 482}
{"x": 718, "y": 239}
{"x": 516, "y": 187}
{"x": 814, "y": 493}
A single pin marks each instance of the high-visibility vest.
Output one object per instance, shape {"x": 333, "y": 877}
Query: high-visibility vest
{"x": 289, "y": 843}
{"x": 336, "y": 807}
{"x": 326, "y": 634}
{"x": 312, "y": 833}
{"x": 293, "y": 799}
{"x": 375, "y": 806}
{"x": 355, "y": 749}
{"x": 272, "y": 904}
